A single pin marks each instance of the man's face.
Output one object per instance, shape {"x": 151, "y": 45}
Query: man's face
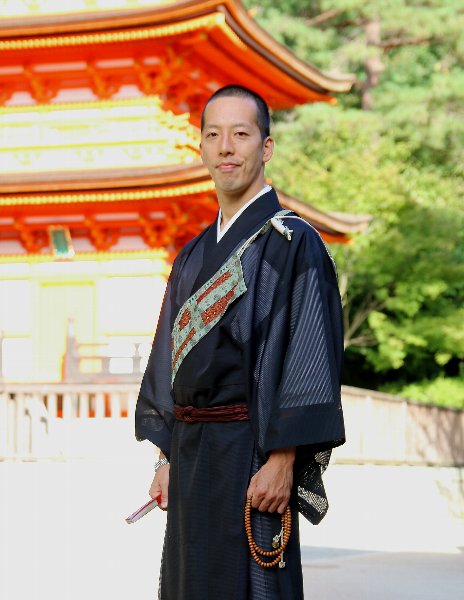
{"x": 232, "y": 148}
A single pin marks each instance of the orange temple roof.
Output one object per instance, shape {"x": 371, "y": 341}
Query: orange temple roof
{"x": 182, "y": 51}
{"x": 150, "y": 71}
{"x": 141, "y": 203}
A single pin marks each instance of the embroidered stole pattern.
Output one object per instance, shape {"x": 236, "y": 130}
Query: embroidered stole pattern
{"x": 205, "y": 307}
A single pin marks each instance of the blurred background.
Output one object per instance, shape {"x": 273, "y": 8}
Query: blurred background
{"x": 101, "y": 184}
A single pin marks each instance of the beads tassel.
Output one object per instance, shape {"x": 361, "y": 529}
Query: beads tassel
{"x": 277, "y": 555}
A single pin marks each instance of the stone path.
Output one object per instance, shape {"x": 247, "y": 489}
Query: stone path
{"x": 333, "y": 574}
{"x": 63, "y": 534}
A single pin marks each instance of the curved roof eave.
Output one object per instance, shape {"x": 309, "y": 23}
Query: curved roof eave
{"x": 341, "y": 222}
{"x": 236, "y": 16}
{"x": 103, "y": 179}
{"x": 168, "y": 182}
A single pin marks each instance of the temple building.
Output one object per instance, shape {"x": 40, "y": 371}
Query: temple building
{"x": 101, "y": 181}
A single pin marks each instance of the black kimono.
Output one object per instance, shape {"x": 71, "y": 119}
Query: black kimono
{"x": 279, "y": 349}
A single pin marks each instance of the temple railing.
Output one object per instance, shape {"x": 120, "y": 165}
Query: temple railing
{"x": 119, "y": 360}
{"x": 81, "y": 420}
{"x": 59, "y": 420}
{"x": 98, "y": 363}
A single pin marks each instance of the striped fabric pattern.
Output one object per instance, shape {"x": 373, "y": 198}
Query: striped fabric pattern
{"x": 308, "y": 377}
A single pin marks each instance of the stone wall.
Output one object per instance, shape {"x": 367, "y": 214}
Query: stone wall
{"x": 386, "y": 429}
{"x": 85, "y": 420}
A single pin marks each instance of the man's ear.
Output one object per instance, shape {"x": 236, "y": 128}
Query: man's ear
{"x": 268, "y": 149}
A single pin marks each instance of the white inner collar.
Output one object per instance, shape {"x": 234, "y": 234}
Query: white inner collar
{"x": 222, "y": 232}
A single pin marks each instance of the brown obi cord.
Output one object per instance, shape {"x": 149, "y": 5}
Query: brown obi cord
{"x": 214, "y": 414}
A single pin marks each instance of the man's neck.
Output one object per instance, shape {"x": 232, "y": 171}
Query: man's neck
{"x": 230, "y": 205}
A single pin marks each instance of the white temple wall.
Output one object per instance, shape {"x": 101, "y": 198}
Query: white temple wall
{"x": 115, "y": 301}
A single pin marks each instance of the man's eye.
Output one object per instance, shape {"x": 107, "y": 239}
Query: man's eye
{"x": 211, "y": 134}
{"x": 241, "y": 133}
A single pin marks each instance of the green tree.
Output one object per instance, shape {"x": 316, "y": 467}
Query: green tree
{"x": 393, "y": 148}
{"x": 407, "y": 56}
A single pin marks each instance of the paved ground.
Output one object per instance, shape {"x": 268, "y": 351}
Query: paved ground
{"x": 331, "y": 574}
{"x": 63, "y": 534}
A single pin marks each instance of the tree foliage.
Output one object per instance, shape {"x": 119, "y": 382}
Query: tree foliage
{"x": 391, "y": 148}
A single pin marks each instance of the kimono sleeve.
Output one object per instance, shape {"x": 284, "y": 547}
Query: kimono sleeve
{"x": 306, "y": 410}
{"x": 154, "y": 411}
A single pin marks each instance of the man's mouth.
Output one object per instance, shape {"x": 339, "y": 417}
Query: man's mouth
{"x": 227, "y": 166}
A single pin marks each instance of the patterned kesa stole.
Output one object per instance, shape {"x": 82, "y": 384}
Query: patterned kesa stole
{"x": 206, "y": 306}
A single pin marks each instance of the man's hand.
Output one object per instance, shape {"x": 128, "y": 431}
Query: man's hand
{"x": 159, "y": 486}
{"x": 271, "y": 486}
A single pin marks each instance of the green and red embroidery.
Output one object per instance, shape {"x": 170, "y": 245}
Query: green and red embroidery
{"x": 203, "y": 309}
{"x": 207, "y": 305}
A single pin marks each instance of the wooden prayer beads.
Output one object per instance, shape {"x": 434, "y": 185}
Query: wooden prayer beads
{"x": 284, "y": 536}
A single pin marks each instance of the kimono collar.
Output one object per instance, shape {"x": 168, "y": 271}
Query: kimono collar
{"x": 221, "y": 233}
{"x": 253, "y": 217}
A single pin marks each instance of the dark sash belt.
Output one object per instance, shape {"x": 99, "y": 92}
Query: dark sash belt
{"x": 213, "y": 414}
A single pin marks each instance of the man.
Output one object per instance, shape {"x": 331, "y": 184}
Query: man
{"x": 242, "y": 389}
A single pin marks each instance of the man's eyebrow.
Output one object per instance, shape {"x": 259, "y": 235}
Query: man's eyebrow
{"x": 214, "y": 126}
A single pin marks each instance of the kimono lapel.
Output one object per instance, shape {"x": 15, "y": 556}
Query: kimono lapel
{"x": 216, "y": 253}
{"x": 187, "y": 268}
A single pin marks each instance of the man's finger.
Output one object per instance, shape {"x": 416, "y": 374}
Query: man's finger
{"x": 274, "y": 506}
{"x": 155, "y": 490}
{"x": 251, "y": 489}
{"x": 263, "y": 506}
{"x": 257, "y": 499}
{"x": 164, "y": 498}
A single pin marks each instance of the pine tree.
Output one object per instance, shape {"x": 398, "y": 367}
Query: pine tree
{"x": 393, "y": 148}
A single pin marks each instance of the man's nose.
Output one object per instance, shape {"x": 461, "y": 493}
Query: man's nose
{"x": 226, "y": 146}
